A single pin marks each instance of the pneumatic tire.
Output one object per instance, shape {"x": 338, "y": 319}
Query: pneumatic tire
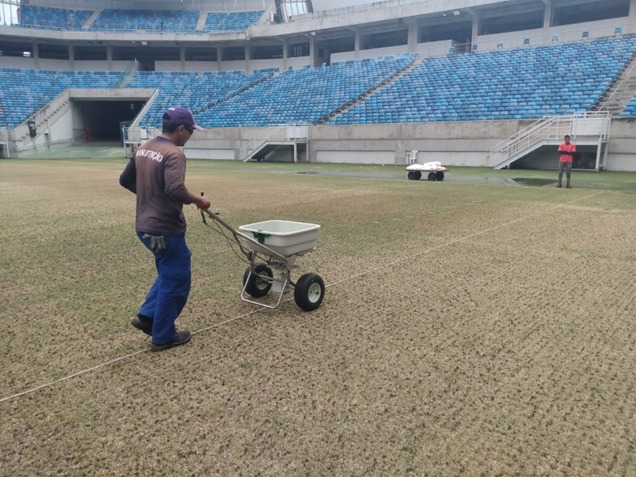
{"x": 309, "y": 292}
{"x": 256, "y": 286}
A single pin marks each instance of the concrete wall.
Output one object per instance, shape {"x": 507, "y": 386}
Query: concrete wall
{"x": 15, "y": 62}
{"x": 461, "y": 144}
{"x": 465, "y": 143}
{"x": 454, "y": 144}
{"x": 622, "y": 146}
{"x": 64, "y": 65}
{"x": 218, "y": 143}
{"x": 432, "y": 48}
{"x": 49, "y": 133}
{"x": 566, "y": 33}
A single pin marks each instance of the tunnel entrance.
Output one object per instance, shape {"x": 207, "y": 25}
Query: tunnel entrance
{"x": 100, "y": 119}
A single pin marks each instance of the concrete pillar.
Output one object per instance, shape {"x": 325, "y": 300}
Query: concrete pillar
{"x": 547, "y": 14}
{"x": 357, "y": 43}
{"x": 36, "y": 55}
{"x": 632, "y": 8}
{"x": 182, "y": 57}
{"x": 412, "y": 37}
{"x": 475, "y": 32}
{"x": 71, "y": 57}
{"x": 312, "y": 50}
{"x": 248, "y": 57}
{"x": 285, "y": 55}
{"x": 219, "y": 58}
{"x": 109, "y": 57}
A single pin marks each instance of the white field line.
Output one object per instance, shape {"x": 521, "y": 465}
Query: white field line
{"x": 352, "y": 277}
{"x": 115, "y": 360}
{"x": 464, "y": 238}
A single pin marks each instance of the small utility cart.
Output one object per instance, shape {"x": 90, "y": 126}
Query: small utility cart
{"x": 435, "y": 171}
{"x": 271, "y": 249}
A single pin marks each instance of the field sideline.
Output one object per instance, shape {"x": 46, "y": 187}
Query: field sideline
{"x": 470, "y": 327}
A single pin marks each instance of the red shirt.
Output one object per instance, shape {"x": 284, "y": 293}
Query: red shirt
{"x": 567, "y": 148}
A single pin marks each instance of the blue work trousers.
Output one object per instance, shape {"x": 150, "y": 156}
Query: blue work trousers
{"x": 169, "y": 293}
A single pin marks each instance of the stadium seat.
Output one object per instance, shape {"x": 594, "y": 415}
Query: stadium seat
{"x": 523, "y": 83}
{"x": 53, "y": 18}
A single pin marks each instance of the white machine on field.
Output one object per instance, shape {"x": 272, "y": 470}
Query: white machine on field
{"x": 435, "y": 171}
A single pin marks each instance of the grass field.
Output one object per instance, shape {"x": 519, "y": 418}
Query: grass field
{"x": 474, "y": 326}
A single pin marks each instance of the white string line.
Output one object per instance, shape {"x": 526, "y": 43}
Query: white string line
{"x": 84, "y": 371}
{"x": 352, "y": 277}
{"x": 115, "y": 360}
{"x": 461, "y": 239}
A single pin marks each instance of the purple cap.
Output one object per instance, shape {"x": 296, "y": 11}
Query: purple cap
{"x": 181, "y": 116}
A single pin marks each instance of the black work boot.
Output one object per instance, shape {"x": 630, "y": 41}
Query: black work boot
{"x": 182, "y": 337}
{"x": 142, "y": 323}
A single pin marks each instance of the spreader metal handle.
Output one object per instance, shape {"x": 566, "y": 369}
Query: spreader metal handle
{"x": 240, "y": 238}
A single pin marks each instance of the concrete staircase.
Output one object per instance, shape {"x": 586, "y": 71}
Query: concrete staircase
{"x": 88, "y": 23}
{"x": 350, "y": 104}
{"x": 270, "y": 138}
{"x": 619, "y": 94}
{"x": 44, "y": 117}
{"x": 201, "y": 21}
{"x": 591, "y": 128}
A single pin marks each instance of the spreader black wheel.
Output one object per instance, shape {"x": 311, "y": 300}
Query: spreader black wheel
{"x": 257, "y": 283}
{"x": 439, "y": 176}
{"x": 432, "y": 176}
{"x": 414, "y": 175}
{"x": 309, "y": 291}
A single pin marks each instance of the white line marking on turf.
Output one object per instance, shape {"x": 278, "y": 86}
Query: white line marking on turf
{"x": 352, "y": 277}
{"x": 79, "y": 373}
{"x": 115, "y": 360}
{"x": 461, "y": 239}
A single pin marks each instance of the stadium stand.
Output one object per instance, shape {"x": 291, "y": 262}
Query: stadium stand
{"x": 231, "y": 21}
{"x": 26, "y": 91}
{"x": 183, "y": 21}
{"x": 197, "y": 91}
{"x": 526, "y": 83}
{"x": 630, "y": 109}
{"x": 303, "y": 96}
{"x": 156, "y": 21}
{"x": 53, "y": 18}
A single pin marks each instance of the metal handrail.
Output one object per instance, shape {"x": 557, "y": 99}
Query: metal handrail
{"x": 547, "y": 128}
{"x": 627, "y": 75}
{"x": 267, "y": 134}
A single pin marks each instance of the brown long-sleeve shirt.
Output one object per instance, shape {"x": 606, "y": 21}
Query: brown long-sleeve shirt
{"x": 156, "y": 174}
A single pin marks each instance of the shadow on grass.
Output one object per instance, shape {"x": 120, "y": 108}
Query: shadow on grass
{"x": 533, "y": 181}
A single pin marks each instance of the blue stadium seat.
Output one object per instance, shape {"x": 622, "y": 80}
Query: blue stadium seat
{"x": 523, "y": 83}
{"x": 148, "y": 20}
{"x": 53, "y": 18}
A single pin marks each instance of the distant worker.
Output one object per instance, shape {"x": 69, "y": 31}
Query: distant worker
{"x": 566, "y": 151}
{"x": 156, "y": 174}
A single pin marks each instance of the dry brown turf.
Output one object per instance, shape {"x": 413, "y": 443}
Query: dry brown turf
{"x": 466, "y": 330}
